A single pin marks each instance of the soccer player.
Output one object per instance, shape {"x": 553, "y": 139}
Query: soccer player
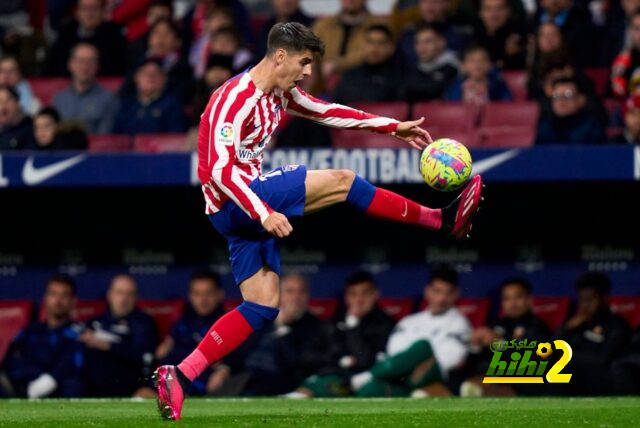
{"x": 252, "y": 210}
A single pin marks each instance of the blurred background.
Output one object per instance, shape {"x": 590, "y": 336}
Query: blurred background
{"x": 101, "y": 212}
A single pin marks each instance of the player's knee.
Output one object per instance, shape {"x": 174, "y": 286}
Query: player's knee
{"x": 344, "y": 180}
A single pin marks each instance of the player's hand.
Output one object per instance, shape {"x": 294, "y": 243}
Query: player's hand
{"x": 410, "y": 132}
{"x": 278, "y": 225}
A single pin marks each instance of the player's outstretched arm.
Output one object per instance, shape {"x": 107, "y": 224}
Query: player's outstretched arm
{"x": 411, "y": 133}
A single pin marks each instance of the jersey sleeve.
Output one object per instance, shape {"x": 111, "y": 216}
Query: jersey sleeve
{"x": 224, "y": 130}
{"x": 299, "y": 103}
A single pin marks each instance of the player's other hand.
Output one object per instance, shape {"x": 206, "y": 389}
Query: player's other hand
{"x": 278, "y": 225}
{"x": 410, "y": 132}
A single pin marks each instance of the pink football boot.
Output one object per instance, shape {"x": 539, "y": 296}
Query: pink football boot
{"x": 170, "y": 393}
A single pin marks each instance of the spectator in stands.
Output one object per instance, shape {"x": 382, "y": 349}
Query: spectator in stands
{"x": 283, "y": 354}
{"x": 480, "y": 81}
{"x": 631, "y": 112}
{"x": 11, "y": 75}
{"x": 570, "y": 120}
{"x": 119, "y": 344}
{"x": 551, "y": 68}
{"x": 164, "y": 47}
{"x": 436, "y": 69}
{"x": 152, "y": 109}
{"x": 625, "y": 72}
{"x": 205, "y": 307}
{"x": 50, "y": 134}
{"x": 226, "y": 41}
{"x": 355, "y": 337}
{"x": 516, "y": 321}
{"x": 136, "y": 49}
{"x": 132, "y": 14}
{"x": 16, "y": 131}
{"x": 456, "y": 30}
{"x": 423, "y": 347}
{"x": 574, "y": 19}
{"x": 219, "y": 70}
{"x": 344, "y": 36}
{"x": 550, "y": 51}
{"x": 378, "y": 78}
{"x": 85, "y": 101}
{"x": 45, "y": 360}
{"x": 89, "y": 26}
{"x": 596, "y": 336}
{"x": 616, "y": 31}
{"x": 282, "y": 11}
{"x": 501, "y": 34}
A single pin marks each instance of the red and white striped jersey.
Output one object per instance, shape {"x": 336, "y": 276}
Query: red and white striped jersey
{"x": 238, "y": 123}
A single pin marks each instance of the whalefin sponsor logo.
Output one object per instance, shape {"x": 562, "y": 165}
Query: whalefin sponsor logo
{"x": 32, "y": 175}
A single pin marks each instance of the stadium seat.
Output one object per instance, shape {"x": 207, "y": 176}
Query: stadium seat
{"x": 14, "y": 316}
{"x": 46, "y": 87}
{"x": 511, "y": 113}
{"x": 627, "y": 307}
{"x": 395, "y": 109}
{"x": 397, "y": 308}
{"x": 467, "y": 137}
{"x": 164, "y": 312}
{"x": 447, "y": 115}
{"x": 109, "y": 143}
{"x": 600, "y": 79}
{"x": 350, "y": 139}
{"x": 475, "y": 309}
{"x": 506, "y": 136}
{"x": 158, "y": 143}
{"x": 83, "y": 311}
{"x": 517, "y": 82}
{"x": 552, "y": 310}
{"x": 323, "y": 308}
{"x": 111, "y": 83}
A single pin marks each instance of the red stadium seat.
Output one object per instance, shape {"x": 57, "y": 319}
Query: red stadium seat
{"x": 475, "y": 309}
{"x": 447, "y": 115}
{"x": 507, "y": 136}
{"x": 352, "y": 139}
{"x": 46, "y": 87}
{"x": 627, "y": 307}
{"x": 396, "y": 308}
{"x": 552, "y": 310}
{"x": 111, "y": 83}
{"x": 109, "y": 143}
{"x": 323, "y": 308}
{"x": 164, "y": 312}
{"x": 511, "y": 113}
{"x": 395, "y": 109}
{"x": 14, "y": 316}
{"x": 467, "y": 137}
{"x": 88, "y": 309}
{"x": 158, "y": 143}
{"x": 600, "y": 79}
{"x": 517, "y": 82}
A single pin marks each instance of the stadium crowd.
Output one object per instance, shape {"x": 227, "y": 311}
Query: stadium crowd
{"x": 132, "y": 67}
{"x": 362, "y": 349}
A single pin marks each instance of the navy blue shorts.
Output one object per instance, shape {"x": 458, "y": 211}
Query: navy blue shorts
{"x": 250, "y": 246}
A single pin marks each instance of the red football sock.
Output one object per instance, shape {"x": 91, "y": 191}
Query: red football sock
{"x": 391, "y": 206}
{"x": 224, "y": 336}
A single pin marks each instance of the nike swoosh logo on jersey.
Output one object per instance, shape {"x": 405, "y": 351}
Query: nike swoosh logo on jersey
{"x": 32, "y": 176}
{"x": 484, "y": 165}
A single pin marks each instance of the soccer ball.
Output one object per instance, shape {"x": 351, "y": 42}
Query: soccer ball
{"x": 445, "y": 164}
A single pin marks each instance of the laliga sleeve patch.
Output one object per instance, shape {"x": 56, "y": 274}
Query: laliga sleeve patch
{"x": 226, "y": 133}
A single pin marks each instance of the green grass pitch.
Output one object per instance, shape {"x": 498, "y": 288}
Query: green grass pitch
{"x": 435, "y": 412}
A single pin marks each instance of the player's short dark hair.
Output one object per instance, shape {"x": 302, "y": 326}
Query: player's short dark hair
{"x": 433, "y": 27}
{"x": 293, "y": 37}
{"x": 597, "y": 281}
{"x": 358, "y": 277}
{"x": 62, "y": 278}
{"x": 380, "y": 28}
{"x": 51, "y": 112}
{"x": 206, "y": 275}
{"x": 518, "y": 281}
{"x": 569, "y": 81}
{"x": 444, "y": 273}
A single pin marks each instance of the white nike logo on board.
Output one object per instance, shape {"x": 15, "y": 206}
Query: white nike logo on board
{"x": 32, "y": 176}
{"x": 484, "y": 165}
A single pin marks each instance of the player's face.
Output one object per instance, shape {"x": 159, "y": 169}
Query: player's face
{"x": 59, "y": 301}
{"x": 441, "y": 296}
{"x": 292, "y": 67}
{"x": 294, "y": 297}
{"x": 515, "y": 301}
{"x": 204, "y": 296}
{"x": 122, "y": 296}
{"x": 360, "y": 299}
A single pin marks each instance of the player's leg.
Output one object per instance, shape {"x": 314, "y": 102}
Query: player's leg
{"x": 328, "y": 187}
